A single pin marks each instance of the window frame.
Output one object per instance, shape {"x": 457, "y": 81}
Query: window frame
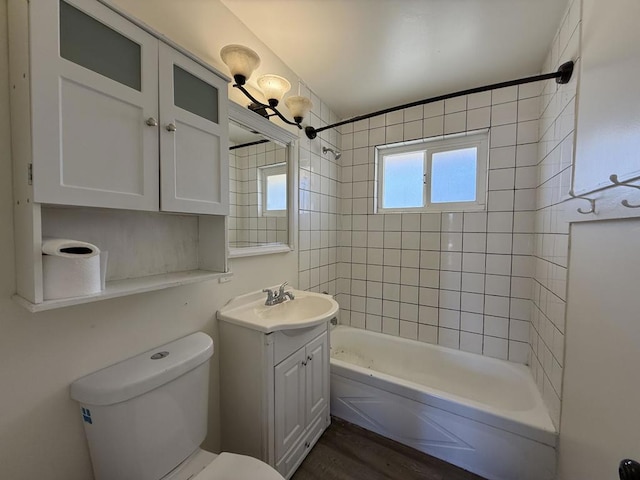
{"x": 264, "y": 172}
{"x": 430, "y": 146}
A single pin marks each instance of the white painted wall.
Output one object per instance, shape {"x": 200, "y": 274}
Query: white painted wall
{"x": 41, "y": 432}
{"x": 601, "y": 398}
{"x": 600, "y": 394}
{"x": 608, "y": 117}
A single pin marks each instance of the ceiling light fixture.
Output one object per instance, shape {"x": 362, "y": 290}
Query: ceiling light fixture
{"x": 242, "y": 61}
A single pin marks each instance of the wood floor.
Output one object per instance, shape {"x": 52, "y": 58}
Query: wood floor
{"x": 348, "y": 452}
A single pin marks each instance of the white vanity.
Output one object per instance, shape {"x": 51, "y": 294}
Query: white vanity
{"x": 274, "y": 376}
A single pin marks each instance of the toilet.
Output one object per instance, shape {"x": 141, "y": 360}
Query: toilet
{"x": 145, "y": 418}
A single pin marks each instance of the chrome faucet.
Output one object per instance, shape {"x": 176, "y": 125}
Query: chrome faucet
{"x": 275, "y": 297}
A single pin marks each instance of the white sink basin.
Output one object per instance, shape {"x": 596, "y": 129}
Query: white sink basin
{"x": 306, "y": 310}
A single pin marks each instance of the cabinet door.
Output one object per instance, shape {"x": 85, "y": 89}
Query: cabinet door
{"x": 194, "y": 145}
{"x": 94, "y": 102}
{"x": 289, "y": 401}
{"x": 317, "y": 382}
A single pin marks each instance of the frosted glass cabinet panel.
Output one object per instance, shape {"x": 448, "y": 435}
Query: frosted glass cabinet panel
{"x": 93, "y": 45}
{"x": 95, "y": 139}
{"x": 194, "y": 157}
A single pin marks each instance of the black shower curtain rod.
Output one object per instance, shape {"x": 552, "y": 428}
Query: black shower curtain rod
{"x": 250, "y": 144}
{"x": 562, "y": 76}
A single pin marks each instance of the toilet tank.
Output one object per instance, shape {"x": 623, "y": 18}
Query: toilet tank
{"x": 145, "y": 415}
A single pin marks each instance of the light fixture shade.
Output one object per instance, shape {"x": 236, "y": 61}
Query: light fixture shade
{"x": 273, "y": 87}
{"x": 242, "y": 61}
{"x": 299, "y": 107}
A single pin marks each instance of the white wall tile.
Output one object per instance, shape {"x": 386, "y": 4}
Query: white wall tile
{"x": 478, "y": 118}
{"x": 450, "y": 261}
{"x": 409, "y": 330}
{"x": 475, "y": 222}
{"x": 503, "y": 95}
{"x": 455, "y": 122}
{"x": 428, "y": 334}
{"x": 449, "y": 299}
{"x": 474, "y": 242}
{"x": 473, "y": 262}
{"x": 472, "y": 322}
{"x": 433, "y": 126}
{"x": 496, "y": 347}
{"x": 433, "y": 109}
{"x": 502, "y": 157}
{"x": 457, "y": 104}
{"x": 471, "y": 342}
{"x": 472, "y": 302}
{"x": 498, "y": 306}
{"x": 449, "y": 338}
{"x": 497, "y": 285}
{"x": 503, "y": 136}
{"x": 478, "y": 100}
{"x": 496, "y": 326}
{"x": 504, "y": 113}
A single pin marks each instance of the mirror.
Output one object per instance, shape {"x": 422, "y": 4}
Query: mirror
{"x": 262, "y": 174}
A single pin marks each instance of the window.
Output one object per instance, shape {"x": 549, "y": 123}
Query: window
{"x": 443, "y": 174}
{"x": 272, "y": 188}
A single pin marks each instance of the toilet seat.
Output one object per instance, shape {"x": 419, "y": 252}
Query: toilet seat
{"x": 230, "y": 466}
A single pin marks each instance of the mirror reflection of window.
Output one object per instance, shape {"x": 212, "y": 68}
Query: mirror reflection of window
{"x": 272, "y": 182}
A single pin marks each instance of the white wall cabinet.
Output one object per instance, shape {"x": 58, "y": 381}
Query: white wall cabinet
{"x": 274, "y": 392}
{"x": 107, "y": 113}
{"x": 120, "y": 110}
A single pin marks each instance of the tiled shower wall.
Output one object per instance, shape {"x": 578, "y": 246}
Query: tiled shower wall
{"x": 246, "y": 226}
{"x": 462, "y": 280}
{"x": 318, "y": 202}
{"x": 557, "y": 121}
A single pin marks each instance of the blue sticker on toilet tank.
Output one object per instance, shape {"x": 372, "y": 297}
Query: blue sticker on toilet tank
{"x": 86, "y": 415}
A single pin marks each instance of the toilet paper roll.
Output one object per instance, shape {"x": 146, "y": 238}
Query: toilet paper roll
{"x": 63, "y": 247}
{"x": 70, "y": 268}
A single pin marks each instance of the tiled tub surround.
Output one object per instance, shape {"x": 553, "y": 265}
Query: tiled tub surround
{"x": 551, "y": 242}
{"x": 246, "y": 226}
{"x": 462, "y": 280}
{"x": 319, "y": 202}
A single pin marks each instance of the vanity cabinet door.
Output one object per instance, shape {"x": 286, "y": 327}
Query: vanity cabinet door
{"x": 95, "y": 102}
{"x": 290, "y": 389}
{"x": 194, "y": 149}
{"x": 317, "y": 377}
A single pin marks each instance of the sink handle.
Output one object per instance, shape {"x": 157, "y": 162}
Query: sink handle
{"x": 281, "y": 289}
{"x": 270, "y": 296}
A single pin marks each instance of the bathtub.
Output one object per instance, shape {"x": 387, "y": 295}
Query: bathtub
{"x": 482, "y": 414}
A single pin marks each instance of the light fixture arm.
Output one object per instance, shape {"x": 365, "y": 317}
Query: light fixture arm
{"x": 265, "y": 106}
{"x": 562, "y": 76}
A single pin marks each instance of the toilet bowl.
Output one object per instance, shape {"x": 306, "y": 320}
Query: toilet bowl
{"x": 145, "y": 418}
{"x": 203, "y": 465}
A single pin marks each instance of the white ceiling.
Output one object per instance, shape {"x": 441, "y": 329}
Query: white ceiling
{"x": 359, "y": 56}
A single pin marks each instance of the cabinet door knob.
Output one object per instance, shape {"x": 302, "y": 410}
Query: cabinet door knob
{"x": 309, "y": 358}
{"x": 306, "y": 444}
{"x": 304, "y": 363}
{"x": 152, "y": 122}
{"x": 171, "y": 127}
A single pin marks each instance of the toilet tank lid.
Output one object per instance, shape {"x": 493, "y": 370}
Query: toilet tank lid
{"x": 142, "y": 373}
